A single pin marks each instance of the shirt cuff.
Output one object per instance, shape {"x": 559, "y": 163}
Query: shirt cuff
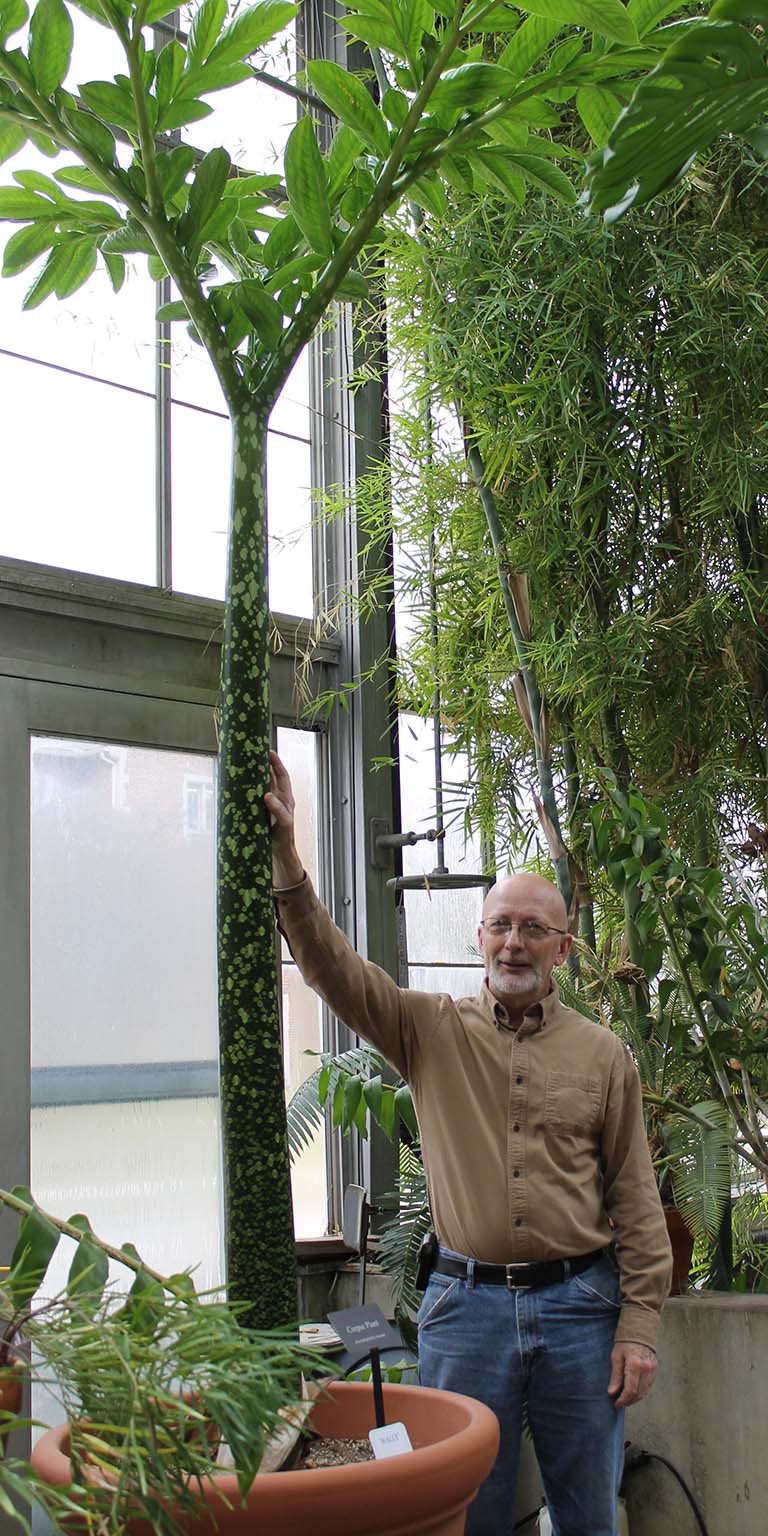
{"x": 637, "y": 1325}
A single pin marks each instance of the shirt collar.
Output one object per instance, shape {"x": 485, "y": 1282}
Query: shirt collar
{"x": 533, "y": 1020}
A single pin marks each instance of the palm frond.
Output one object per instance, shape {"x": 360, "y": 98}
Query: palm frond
{"x": 701, "y": 1168}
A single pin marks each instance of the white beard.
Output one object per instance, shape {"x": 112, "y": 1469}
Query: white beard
{"x": 513, "y": 981}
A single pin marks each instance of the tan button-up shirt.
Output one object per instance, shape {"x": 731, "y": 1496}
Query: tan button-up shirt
{"x": 533, "y": 1137}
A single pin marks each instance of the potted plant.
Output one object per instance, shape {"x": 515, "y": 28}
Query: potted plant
{"x": 151, "y": 1381}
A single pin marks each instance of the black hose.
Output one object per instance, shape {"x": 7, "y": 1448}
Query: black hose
{"x": 641, "y": 1459}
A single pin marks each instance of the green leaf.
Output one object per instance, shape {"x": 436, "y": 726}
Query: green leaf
{"x": 471, "y": 86}
{"x": 598, "y": 110}
{"x": 344, "y": 151}
{"x": 50, "y": 44}
{"x": 144, "y": 1304}
{"x": 176, "y": 310}
{"x": 404, "y": 1104}
{"x": 25, "y": 246}
{"x": 646, "y": 14}
{"x": 77, "y": 176}
{"x": 542, "y": 173}
{"x": 206, "y": 26}
{"x": 608, "y": 18}
{"x": 173, "y": 167}
{"x": 12, "y": 139}
{"x": 252, "y": 28}
{"x": 353, "y": 289}
{"x": 395, "y": 107}
{"x": 205, "y": 193}
{"x": 305, "y": 180}
{"x": 351, "y": 102}
{"x": 260, "y": 309}
{"x": 129, "y": 239}
{"x": 17, "y": 205}
{"x": 90, "y": 132}
{"x": 529, "y": 44}
{"x": 35, "y": 1247}
{"x": 157, "y": 9}
{"x": 13, "y": 15}
{"x": 170, "y": 68}
{"x": 87, "y": 1273}
{"x": 179, "y": 113}
{"x": 373, "y": 1092}
{"x": 353, "y": 1091}
{"x": 111, "y": 103}
{"x": 387, "y": 1115}
{"x": 712, "y": 80}
{"x": 36, "y": 181}
{"x": 428, "y": 192}
{"x": 377, "y": 32}
{"x": 281, "y": 243}
{"x": 115, "y": 266}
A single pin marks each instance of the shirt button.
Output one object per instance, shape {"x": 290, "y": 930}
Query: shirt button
{"x": 518, "y": 1079}
{"x": 516, "y": 1173}
{"x": 516, "y": 1127}
{"x": 518, "y": 1221}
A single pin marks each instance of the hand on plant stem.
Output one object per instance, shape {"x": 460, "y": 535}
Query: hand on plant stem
{"x": 287, "y": 868}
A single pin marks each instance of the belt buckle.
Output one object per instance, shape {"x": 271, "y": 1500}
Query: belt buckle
{"x": 515, "y": 1285}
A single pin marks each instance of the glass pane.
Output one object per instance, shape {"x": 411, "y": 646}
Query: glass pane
{"x": 441, "y": 925}
{"x": 291, "y": 412}
{"x": 302, "y": 1013}
{"x": 289, "y": 502}
{"x": 200, "y": 469}
{"x": 87, "y": 501}
{"x": 457, "y": 981}
{"x": 123, "y": 993}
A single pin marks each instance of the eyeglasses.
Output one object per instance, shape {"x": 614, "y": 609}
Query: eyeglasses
{"x": 529, "y": 931}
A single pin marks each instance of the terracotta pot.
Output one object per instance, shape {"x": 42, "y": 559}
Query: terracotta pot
{"x": 426, "y": 1493}
{"x": 682, "y": 1250}
{"x": 11, "y": 1386}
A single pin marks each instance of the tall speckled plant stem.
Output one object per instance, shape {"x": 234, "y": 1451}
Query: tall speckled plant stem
{"x": 261, "y": 1262}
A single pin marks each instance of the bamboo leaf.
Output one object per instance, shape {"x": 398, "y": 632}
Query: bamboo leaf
{"x": 351, "y": 102}
{"x": 305, "y": 180}
{"x": 50, "y": 44}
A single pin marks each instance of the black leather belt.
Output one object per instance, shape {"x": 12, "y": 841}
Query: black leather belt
{"x": 547, "y": 1272}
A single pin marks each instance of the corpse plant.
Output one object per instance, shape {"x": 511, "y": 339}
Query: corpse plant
{"x": 256, "y": 262}
{"x": 150, "y": 1379}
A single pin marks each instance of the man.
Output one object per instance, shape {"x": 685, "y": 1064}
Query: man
{"x": 537, "y": 1161}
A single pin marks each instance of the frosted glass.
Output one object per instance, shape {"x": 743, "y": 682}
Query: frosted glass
{"x": 122, "y": 905}
{"x": 289, "y": 516}
{"x": 146, "y": 1173}
{"x": 456, "y": 981}
{"x": 86, "y": 500}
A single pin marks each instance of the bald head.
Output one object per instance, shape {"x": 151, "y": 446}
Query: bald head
{"x": 523, "y": 936}
{"x": 531, "y": 889}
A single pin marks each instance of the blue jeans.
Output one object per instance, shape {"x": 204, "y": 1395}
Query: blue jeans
{"x": 551, "y": 1348}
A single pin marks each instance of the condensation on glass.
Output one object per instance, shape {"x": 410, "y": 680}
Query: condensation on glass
{"x": 125, "y": 1118}
{"x": 302, "y": 1013}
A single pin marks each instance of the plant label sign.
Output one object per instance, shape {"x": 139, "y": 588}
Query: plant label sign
{"x": 390, "y": 1440}
{"x": 362, "y": 1329}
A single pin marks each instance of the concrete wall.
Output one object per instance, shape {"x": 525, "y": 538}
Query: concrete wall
{"x": 707, "y": 1414}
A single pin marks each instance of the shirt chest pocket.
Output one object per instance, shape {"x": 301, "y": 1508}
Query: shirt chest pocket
{"x": 571, "y": 1104}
